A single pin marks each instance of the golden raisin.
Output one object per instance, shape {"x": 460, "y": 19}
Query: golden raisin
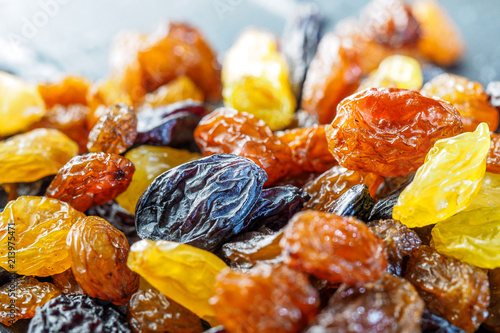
{"x": 69, "y": 91}
{"x": 66, "y": 283}
{"x": 180, "y": 89}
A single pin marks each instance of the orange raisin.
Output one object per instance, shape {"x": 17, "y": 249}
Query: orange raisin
{"x": 493, "y": 158}
{"x": 66, "y": 282}
{"x": 70, "y": 90}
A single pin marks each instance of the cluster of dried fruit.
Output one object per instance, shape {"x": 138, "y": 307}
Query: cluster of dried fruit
{"x": 126, "y": 205}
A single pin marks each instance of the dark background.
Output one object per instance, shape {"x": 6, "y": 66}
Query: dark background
{"x": 75, "y": 37}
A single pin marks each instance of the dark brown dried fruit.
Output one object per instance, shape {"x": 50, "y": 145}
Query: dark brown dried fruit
{"x": 388, "y": 305}
{"x": 355, "y": 202}
{"x": 91, "y": 180}
{"x": 493, "y": 158}
{"x": 267, "y": 299}
{"x": 334, "y": 248}
{"x": 115, "y": 131}
{"x": 66, "y": 283}
{"x": 492, "y": 323}
{"x": 450, "y": 288}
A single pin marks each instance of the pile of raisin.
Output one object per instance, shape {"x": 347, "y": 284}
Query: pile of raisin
{"x": 338, "y": 184}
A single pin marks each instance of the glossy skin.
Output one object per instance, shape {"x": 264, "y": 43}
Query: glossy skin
{"x": 181, "y": 272}
{"x": 228, "y": 131}
{"x": 328, "y": 187}
{"x": 20, "y": 105}
{"x": 115, "y": 131}
{"x": 388, "y": 131}
{"x": 202, "y": 203}
{"x": 448, "y": 181}
{"x": 68, "y": 91}
{"x": 150, "y": 162}
{"x": 399, "y": 241}
{"x": 492, "y": 323}
{"x": 77, "y": 313}
{"x": 40, "y": 229}
{"x": 334, "y": 248}
{"x": 180, "y": 89}
{"x": 255, "y": 79}
{"x": 355, "y": 202}
{"x": 388, "y": 305}
{"x": 33, "y": 155}
{"x": 91, "y": 180}
{"x": 27, "y": 294}
{"x": 493, "y": 158}
{"x": 468, "y": 97}
{"x": 150, "y": 311}
{"x": 66, "y": 283}
{"x": 440, "y": 40}
{"x": 450, "y": 288}
{"x": 431, "y": 323}
{"x": 309, "y": 148}
{"x": 99, "y": 255}
{"x": 269, "y": 299}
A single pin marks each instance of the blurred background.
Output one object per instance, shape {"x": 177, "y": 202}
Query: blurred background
{"x": 40, "y": 38}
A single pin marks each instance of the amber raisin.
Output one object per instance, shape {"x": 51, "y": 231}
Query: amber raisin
{"x": 70, "y": 90}
{"x": 180, "y": 89}
{"x": 66, "y": 282}
{"x": 493, "y": 320}
{"x": 285, "y": 300}
{"x": 91, "y": 180}
{"x": 334, "y": 248}
{"x": 493, "y": 158}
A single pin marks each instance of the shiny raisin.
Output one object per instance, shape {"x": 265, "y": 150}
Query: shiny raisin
{"x": 492, "y": 323}
{"x": 71, "y": 90}
{"x": 66, "y": 283}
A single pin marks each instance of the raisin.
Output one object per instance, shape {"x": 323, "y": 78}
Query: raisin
{"x": 77, "y": 313}
{"x": 172, "y": 125}
{"x": 450, "y": 288}
{"x": 493, "y": 158}
{"x": 448, "y": 181}
{"x": 391, "y": 23}
{"x": 434, "y": 324}
{"x": 388, "y": 131}
{"x": 91, "y": 180}
{"x": 334, "y": 248}
{"x": 118, "y": 217}
{"x": 388, "y": 305}
{"x": 101, "y": 95}
{"x": 66, "y": 283}
{"x": 33, "y": 155}
{"x": 40, "y": 229}
{"x": 309, "y": 148}
{"x": 399, "y": 241}
{"x": 181, "y": 272}
{"x": 228, "y": 131}
{"x": 202, "y": 203}
{"x": 99, "y": 254}
{"x": 468, "y": 97}
{"x": 115, "y": 131}
{"x": 150, "y": 311}
{"x": 150, "y": 162}
{"x": 424, "y": 233}
{"x": 21, "y": 105}
{"x": 355, "y": 202}
{"x": 392, "y": 185}
{"x": 287, "y": 301}
{"x": 26, "y": 294}
{"x": 328, "y": 187}
{"x": 492, "y": 323}
{"x": 255, "y": 79}
{"x": 180, "y": 89}
{"x": 440, "y": 40}
{"x": 71, "y": 90}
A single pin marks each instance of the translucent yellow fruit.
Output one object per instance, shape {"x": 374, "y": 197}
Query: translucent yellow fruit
{"x": 20, "y": 105}
{"x": 180, "y": 89}
{"x": 33, "y": 155}
{"x": 489, "y": 193}
{"x": 395, "y": 72}
{"x": 447, "y": 182}
{"x": 255, "y": 79}
{"x": 472, "y": 236}
{"x": 150, "y": 162}
{"x": 181, "y": 272}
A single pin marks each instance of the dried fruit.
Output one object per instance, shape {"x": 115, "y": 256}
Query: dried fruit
{"x": 77, "y": 313}
{"x": 388, "y": 131}
{"x": 21, "y": 105}
{"x": 99, "y": 255}
{"x": 115, "y": 132}
{"x": 468, "y": 97}
{"x": 33, "y": 155}
{"x": 309, "y": 148}
{"x": 355, "y": 202}
{"x": 399, "y": 241}
{"x": 20, "y": 298}
{"x": 101, "y": 95}
{"x": 255, "y": 79}
{"x": 150, "y": 311}
{"x": 388, "y": 305}
{"x": 38, "y": 227}
{"x": 492, "y": 323}
{"x": 434, "y": 324}
{"x": 328, "y": 187}
{"x": 228, "y": 131}
{"x": 448, "y": 181}
{"x": 181, "y": 272}
{"x": 440, "y": 40}
{"x": 286, "y": 300}
{"x": 91, "y": 180}
{"x": 334, "y": 248}
{"x": 493, "y": 158}
{"x": 202, "y": 203}
{"x": 179, "y": 89}
{"x": 450, "y": 288}
{"x": 66, "y": 283}
{"x": 70, "y": 90}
